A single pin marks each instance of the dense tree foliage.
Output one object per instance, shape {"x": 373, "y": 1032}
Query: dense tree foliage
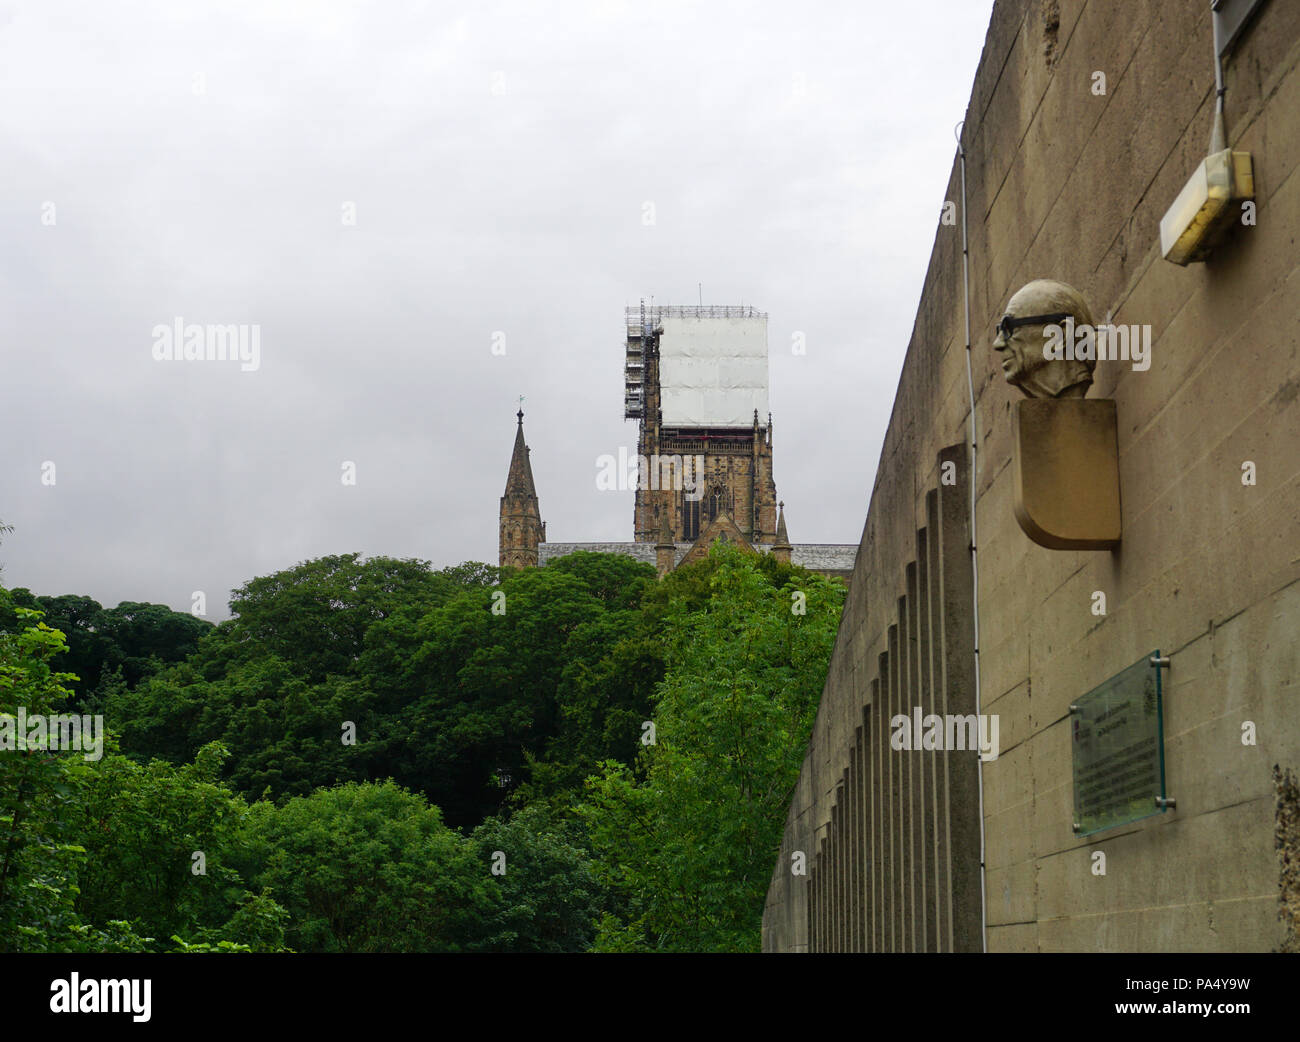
{"x": 368, "y": 868}
{"x": 38, "y": 856}
{"x": 126, "y": 643}
{"x": 550, "y": 897}
{"x": 373, "y": 755}
{"x": 452, "y": 686}
{"x": 97, "y": 853}
{"x": 690, "y": 834}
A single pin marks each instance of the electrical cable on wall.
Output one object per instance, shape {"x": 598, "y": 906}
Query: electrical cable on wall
{"x": 974, "y": 560}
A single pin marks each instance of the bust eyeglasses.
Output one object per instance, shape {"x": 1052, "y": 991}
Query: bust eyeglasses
{"x": 1010, "y": 324}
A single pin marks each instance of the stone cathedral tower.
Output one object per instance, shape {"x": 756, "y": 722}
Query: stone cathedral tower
{"x": 522, "y": 527}
{"x": 696, "y": 380}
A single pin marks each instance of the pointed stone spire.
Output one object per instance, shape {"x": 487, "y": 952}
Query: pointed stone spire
{"x": 519, "y": 482}
{"x": 522, "y": 528}
{"x": 665, "y": 528}
{"x": 781, "y": 548}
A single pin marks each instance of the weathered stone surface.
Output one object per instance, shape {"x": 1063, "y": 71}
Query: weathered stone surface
{"x": 1066, "y": 469}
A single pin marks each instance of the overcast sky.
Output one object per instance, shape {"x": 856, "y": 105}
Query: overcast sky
{"x": 381, "y": 188}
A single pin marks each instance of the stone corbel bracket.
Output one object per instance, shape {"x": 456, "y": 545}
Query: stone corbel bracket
{"x": 1067, "y": 472}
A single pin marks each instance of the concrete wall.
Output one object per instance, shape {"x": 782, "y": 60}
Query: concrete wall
{"x": 1068, "y": 184}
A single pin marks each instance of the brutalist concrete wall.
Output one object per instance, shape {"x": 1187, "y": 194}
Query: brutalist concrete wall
{"x": 1068, "y": 175}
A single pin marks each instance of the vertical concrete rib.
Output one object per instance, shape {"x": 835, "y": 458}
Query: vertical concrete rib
{"x": 878, "y": 928}
{"x": 907, "y": 763}
{"x": 859, "y": 839}
{"x": 928, "y": 761}
{"x": 898, "y": 859}
{"x": 812, "y": 909}
{"x": 959, "y": 690}
{"x": 823, "y": 895}
{"x": 846, "y": 825}
{"x": 833, "y": 859}
{"x": 918, "y": 758}
{"x": 868, "y": 833}
{"x": 887, "y": 798}
{"x": 942, "y": 866}
{"x": 841, "y": 885}
{"x": 851, "y": 832}
{"x": 926, "y": 758}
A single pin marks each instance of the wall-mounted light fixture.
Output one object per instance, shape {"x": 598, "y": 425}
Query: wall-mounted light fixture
{"x": 1208, "y": 205}
{"x": 1210, "y": 202}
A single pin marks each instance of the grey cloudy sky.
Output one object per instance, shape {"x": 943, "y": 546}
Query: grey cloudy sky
{"x": 193, "y": 160}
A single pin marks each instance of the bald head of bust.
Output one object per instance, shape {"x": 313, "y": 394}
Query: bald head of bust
{"x": 1020, "y": 340}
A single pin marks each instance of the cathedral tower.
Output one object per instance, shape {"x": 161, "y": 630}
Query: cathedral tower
{"x": 522, "y": 527}
{"x": 696, "y": 382}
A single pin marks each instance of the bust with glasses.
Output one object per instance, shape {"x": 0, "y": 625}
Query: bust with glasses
{"x": 1019, "y": 340}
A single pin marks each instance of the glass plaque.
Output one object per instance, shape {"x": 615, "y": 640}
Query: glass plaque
{"x": 1118, "y": 738}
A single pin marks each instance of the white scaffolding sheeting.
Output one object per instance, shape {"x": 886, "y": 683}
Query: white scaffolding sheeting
{"x": 713, "y": 370}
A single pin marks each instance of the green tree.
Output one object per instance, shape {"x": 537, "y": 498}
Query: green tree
{"x": 471, "y": 573}
{"x": 472, "y": 694}
{"x": 315, "y": 615}
{"x": 457, "y": 684}
{"x": 550, "y": 897}
{"x": 141, "y": 826}
{"x": 39, "y": 857}
{"x": 95, "y": 853}
{"x": 368, "y": 868}
{"x": 133, "y": 640}
{"x": 690, "y": 835}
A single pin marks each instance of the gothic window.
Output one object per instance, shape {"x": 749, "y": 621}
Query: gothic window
{"x": 715, "y": 502}
{"x": 690, "y": 519}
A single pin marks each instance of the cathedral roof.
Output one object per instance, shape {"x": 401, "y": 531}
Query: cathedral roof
{"x": 817, "y": 557}
{"x": 721, "y": 527}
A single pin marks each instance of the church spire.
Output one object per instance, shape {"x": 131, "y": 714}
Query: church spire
{"x": 782, "y": 539}
{"x": 781, "y": 548}
{"x": 665, "y": 527}
{"x": 522, "y": 528}
{"x": 519, "y": 482}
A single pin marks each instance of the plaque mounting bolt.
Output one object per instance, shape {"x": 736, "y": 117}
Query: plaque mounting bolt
{"x": 1160, "y": 661}
{"x": 1166, "y": 802}
{"x": 1075, "y": 826}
